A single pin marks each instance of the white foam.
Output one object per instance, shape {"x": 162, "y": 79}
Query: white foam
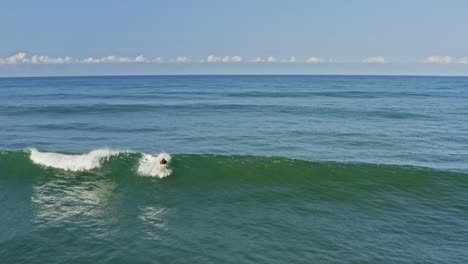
{"x": 150, "y": 165}
{"x": 68, "y": 162}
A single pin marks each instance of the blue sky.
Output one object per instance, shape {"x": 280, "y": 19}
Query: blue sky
{"x": 257, "y": 36}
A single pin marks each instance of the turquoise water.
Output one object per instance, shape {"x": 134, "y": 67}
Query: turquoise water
{"x": 263, "y": 169}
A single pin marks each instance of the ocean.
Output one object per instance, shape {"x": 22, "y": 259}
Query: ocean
{"x": 261, "y": 169}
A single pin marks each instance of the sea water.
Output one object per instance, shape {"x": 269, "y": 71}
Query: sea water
{"x": 262, "y": 169}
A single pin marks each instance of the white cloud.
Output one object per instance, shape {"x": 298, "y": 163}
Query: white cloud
{"x": 213, "y": 58}
{"x": 258, "y": 59}
{"x": 37, "y": 59}
{"x": 22, "y": 58}
{"x": 437, "y": 59}
{"x": 181, "y": 59}
{"x": 378, "y": 59}
{"x": 157, "y": 60}
{"x": 140, "y": 58}
{"x": 15, "y": 59}
{"x": 236, "y": 59}
{"x": 115, "y": 59}
{"x": 90, "y": 60}
{"x": 271, "y": 59}
{"x": 225, "y": 59}
{"x": 463, "y": 60}
{"x": 314, "y": 60}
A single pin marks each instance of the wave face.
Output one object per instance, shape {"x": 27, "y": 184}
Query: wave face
{"x": 212, "y": 207}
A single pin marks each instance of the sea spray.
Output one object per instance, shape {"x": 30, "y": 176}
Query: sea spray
{"x": 150, "y": 165}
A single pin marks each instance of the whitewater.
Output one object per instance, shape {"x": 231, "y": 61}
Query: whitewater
{"x": 149, "y": 165}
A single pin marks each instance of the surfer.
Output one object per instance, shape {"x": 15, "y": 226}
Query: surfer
{"x": 163, "y": 161}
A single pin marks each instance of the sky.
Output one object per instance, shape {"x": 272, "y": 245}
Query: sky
{"x": 104, "y": 37}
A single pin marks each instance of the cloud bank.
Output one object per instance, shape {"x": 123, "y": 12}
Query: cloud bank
{"x": 378, "y": 59}
{"x": 116, "y": 59}
{"x": 445, "y": 59}
{"x": 23, "y": 58}
{"x": 314, "y": 60}
{"x": 439, "y": 59}
{"x": 225, "y": 59}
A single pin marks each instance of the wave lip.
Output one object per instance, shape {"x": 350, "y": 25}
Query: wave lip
{"x": 150, "y": 165}
{"x": 72, "y": 162}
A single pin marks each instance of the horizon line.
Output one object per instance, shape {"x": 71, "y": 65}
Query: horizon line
{"x": 227, "y": 74}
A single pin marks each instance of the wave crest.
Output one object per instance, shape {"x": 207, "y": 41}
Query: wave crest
{"x": 148, "y": 165}
{"x": 72, "y": 162}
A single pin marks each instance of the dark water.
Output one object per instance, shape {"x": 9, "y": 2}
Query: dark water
{"x": 265, "y": 169}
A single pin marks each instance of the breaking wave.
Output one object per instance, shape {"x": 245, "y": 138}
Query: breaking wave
{"x": 209, "y": 168}
{"x": 72, "y": 162}
{"x": 149, "y": 165}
